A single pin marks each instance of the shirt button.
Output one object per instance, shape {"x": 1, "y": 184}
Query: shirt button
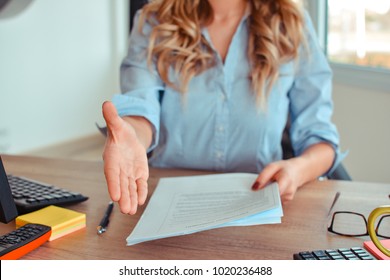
{"x": 219, "y": 154}
{"x": 223, "y": 97}
{"x": 221, "y": 128}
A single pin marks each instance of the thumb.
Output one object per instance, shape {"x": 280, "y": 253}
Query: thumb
{"x": 111, "y": 116}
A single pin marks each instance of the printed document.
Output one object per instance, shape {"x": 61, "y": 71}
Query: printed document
{"x": 184, "y": 205}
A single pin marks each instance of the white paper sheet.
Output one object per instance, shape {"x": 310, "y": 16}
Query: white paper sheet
{"x": 183, "y": 205}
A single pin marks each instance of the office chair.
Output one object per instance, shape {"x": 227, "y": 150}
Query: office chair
{"x": 340, "y": 173}
{"x": 134, "y": 6}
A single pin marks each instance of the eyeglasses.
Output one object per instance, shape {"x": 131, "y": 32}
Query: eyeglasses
{"x": 353, "y": 224}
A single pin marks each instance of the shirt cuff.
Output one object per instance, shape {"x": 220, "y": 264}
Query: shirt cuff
{"x": 339, "y": 156}
{"x": 135, "y": 106}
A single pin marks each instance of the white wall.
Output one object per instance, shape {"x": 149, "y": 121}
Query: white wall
{"x": 363, "y": 119}
{"x": 59, "y": 61}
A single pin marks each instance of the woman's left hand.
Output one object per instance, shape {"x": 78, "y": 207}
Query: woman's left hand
{"x": 285, "y": 173}
{"x": 293, "y": 173}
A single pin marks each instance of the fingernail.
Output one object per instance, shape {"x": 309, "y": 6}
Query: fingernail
{"x": 255, "y": 186}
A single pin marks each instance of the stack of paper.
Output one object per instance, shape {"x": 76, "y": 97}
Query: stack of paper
{"x": 184, "y": 205}
{"x": 61, "y": 220}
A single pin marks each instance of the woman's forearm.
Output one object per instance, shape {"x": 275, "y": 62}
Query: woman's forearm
{"x": 314, "y": 162}
{"x": 143, "y": 129}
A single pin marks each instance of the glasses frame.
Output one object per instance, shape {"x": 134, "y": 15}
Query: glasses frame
{"x": 330, "y": 228}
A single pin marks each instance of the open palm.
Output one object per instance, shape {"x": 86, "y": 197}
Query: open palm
{"x": 125, "y": 162}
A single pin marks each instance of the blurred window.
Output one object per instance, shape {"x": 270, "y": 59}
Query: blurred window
{"x": 359, "y": 32}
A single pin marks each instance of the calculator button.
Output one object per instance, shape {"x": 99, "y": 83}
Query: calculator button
{"x": 360, "y": 252}
{"x": 307, "y": 256}
{"x": 319, "y": 253}
{"x": 354, "y": 253}
{"x": 339, "y": 257}
{"x": 324, "y": 258}
{"x": 344, "y": 250}
{"x": 357, "y": 249}
{"x": 12, "y": 238}
{"x": 367, "y": 258}
{"x": 329, "y": 251}
{"x": 336, "y": 255}
{"x": 4, "y": 246}
{"x": 363, "y": 255}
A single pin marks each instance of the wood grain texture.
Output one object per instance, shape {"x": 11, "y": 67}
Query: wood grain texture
{"x": 303, "y": 227}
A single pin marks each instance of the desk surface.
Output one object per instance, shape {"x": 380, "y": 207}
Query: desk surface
{"x": 303, "y": 227}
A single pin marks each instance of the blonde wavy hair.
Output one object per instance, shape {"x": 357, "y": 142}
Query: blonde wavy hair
{"x": 275, "y": 35}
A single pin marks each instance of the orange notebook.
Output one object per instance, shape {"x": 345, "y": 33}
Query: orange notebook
{"x": 370, "y": 247}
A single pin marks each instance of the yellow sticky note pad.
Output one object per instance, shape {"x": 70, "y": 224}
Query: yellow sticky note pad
{"x": 61, "y": 220}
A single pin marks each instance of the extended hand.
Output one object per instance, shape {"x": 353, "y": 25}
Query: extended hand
{"x": 125, "y": 162}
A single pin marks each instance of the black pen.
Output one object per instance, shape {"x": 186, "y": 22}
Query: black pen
{"x": 106, "y": 219}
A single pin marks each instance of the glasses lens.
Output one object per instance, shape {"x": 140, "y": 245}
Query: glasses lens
{"x": 349, "y": 224}
{"x": 384, "y": 226}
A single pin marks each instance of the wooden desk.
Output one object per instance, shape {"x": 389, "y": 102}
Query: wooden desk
{"x": 303, "y": 227}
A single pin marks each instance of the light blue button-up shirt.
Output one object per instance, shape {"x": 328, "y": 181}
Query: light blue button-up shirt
{"x": 218, "y": 126}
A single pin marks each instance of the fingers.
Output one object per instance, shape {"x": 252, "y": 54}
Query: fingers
{"x": 276, "y": 172}
{"x": 287, "y": 198}
{"x": 112, "y": 174}
{"x": 266, "y": 176}
{"x": 133, "y": 196}
{"x": 129, "y": 193}
{"x": 286, "y": 187}
{"x": 124, "y": 201}
{"x": 142, "y": 187}
{"x": 128, "y": 201}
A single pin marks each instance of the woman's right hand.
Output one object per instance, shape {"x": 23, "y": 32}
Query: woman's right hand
{"x": 125, "y": 162}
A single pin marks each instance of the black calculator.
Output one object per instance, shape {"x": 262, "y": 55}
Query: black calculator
{"x": 23, "y": 240}
{"x": 354, "y": 253}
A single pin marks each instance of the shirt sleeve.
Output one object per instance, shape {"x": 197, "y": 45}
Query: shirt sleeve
{"x": 140, "y": 83}
{"x": 311, "y": 105}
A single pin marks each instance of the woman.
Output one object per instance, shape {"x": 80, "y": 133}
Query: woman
{"x": 209, "y": 84}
